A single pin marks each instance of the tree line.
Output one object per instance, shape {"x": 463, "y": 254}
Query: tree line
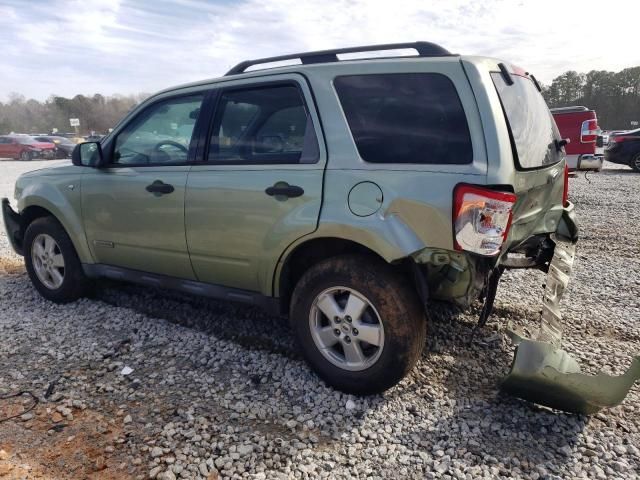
{"x": 96, "y": 113}
{"x": 615, "y": 96}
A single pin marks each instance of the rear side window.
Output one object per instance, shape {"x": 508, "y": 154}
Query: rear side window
{"x": 263, "y": 125}
{"x": 533, "y": 130}
{"x": 405, "y": 118}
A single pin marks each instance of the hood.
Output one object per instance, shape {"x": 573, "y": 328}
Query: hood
{"x": 62, "y": 167}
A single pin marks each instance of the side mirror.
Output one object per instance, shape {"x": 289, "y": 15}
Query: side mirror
{"x": 87, "y": 154}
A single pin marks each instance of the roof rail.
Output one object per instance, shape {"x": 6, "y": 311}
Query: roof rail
{"x": 424, "y": 49}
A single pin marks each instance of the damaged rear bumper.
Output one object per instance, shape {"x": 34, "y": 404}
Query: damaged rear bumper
{"x": 542, "y": 372}
{"x": 12, "y": 225}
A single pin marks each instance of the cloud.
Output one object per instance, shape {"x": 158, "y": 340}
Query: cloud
{"x": 126, "y": 46}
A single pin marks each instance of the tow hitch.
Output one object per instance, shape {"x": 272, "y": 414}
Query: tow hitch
{"x": 543, "y": 373}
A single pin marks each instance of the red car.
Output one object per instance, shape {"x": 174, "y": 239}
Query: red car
{"x": 580, "y": 126}
{"x": 24, "y": 147}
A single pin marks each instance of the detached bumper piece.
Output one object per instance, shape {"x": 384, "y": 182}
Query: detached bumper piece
{"x": 543, "y": 373}
{"x": 12, "y": 225}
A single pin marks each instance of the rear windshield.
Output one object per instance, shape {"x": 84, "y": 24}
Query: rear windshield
{"x": 405, "y": 118}
{"x": 533, "y": 130}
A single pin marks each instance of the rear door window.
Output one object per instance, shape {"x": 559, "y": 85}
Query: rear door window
{"x": 263, "y": 125}
{"x": 533, "y": 131}
{"x": 405, "y": 118}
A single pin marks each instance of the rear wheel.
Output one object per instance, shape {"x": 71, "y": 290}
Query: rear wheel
{"x": 359, "y": 323}
{"x": 25, "y": 156}
{"x": 52, "y": 262}
{"x": 635, "y": 163}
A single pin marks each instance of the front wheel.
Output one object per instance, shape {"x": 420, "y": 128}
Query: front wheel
{"x": 359, "y": 323}
{"x": 635, "y": 163}
{"x": 25, "y": 156}
{"x": 52, "y": 262}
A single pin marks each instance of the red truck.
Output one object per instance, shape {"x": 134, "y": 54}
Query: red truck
{"x": 580, "y": 126}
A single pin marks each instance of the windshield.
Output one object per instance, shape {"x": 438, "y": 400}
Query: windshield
{"x": 25, "y": 140}
{"x": 534, "y": 132}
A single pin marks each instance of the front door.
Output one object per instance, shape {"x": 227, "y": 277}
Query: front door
{"x": 260, "y": 188}
{"x": 133, "y": 209}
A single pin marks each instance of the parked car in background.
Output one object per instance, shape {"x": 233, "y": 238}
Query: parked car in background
{"x": 25, "y": 147}
{"x": 624, "y": 148}
{"x": 580, "y": 126}
{"x": 613, "y": 133}
{"x": 93, "y": 138}
{"x": 63, "y": 145}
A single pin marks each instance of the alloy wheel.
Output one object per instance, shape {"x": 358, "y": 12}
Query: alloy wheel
{"x": 48, "y": 261}
{"x": 346, "y": 328}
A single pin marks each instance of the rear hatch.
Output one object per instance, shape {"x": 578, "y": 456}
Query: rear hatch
{"x": 539, "y": 179}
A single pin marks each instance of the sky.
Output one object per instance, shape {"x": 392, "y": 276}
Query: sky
{"x": 67, "y": 47}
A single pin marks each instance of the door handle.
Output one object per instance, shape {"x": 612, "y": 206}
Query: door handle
{"x": 283, "y": 189}
{"x": 159, "y": 188}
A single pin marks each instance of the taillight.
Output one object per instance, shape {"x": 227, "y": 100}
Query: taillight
{"x": 565, "y": 192}
{"x": 481, "y": 218}
{"x": 589, "y": 131}
{"x": 623, "y": 139}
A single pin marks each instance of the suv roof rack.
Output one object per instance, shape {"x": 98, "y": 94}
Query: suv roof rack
{"x": 424, "y": 49}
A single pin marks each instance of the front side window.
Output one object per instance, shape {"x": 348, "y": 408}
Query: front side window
{"x": 405, "y": 118}
{"x": 268, "y": 124}
{"x": 533, "y": 130}
{"x": 161, "y": 134}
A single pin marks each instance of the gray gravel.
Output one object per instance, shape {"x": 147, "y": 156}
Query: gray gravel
{"x": 218, "y": 391}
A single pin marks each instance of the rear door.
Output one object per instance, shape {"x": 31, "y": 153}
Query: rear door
{"x": 260, "y": 188}
{"x": 537, "y": 156}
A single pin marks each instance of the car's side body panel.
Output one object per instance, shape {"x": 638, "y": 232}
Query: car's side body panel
{"x": 59, "y": 193}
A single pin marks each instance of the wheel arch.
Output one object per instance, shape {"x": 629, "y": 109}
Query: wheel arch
{"x": 308, "y": 253}
{"x": 38, "y": 207}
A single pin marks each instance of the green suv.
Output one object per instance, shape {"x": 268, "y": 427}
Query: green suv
{"x": 345, "y": 192}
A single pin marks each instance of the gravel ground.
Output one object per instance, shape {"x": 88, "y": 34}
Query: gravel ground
{"x": 218, "y": 390}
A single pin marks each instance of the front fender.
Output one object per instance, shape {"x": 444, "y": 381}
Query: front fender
{"x": 60, "y": 196}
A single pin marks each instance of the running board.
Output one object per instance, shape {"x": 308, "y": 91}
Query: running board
{"x": 269, "y": 304}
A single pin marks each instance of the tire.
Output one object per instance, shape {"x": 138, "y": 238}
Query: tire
{"x": 393, "y": 317}
{"x": 69, "y": 283}
{"x": 635, "y": 163}
{"x": 25, "y": 156}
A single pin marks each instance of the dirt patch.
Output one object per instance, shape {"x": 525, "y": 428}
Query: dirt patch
{"x": 11, "y": 266}
{"x": 88, "y": 445}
